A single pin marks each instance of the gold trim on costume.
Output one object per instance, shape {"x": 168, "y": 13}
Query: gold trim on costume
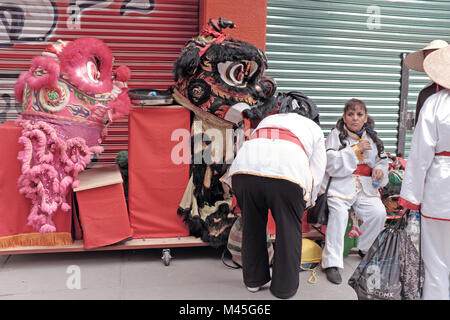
{"x": 353, "y": 135}
{"x": 305, "y": 197}
{"x": 377, "y": 195}
{"x": 35, "y": 239}
{"x": 357, "y": 182}
{"x": 358, "y": 153}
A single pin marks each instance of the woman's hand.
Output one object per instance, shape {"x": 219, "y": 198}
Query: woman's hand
{"x": 364, "y": 145}
{"x": 377, "y": 174}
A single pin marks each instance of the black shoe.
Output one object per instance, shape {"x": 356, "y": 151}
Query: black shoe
{"x": 361, "y": 254}
{"x": 333, "y": 275}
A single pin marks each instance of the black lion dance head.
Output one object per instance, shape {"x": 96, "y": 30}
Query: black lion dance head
{"x": 222, "y": 76}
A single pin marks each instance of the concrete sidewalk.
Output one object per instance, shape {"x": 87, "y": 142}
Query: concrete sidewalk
{"x": 195, "y": 273}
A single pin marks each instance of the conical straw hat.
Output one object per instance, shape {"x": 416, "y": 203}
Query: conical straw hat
{"x": 415, "y": 59}
{"x": 437, "y": 66}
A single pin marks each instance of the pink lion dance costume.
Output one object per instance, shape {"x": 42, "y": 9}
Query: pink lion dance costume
{"x": 69, "y": 95}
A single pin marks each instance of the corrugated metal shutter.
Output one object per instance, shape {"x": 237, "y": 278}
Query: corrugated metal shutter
{"x": 146, "y": 35}
{"x": 337, "y": 50}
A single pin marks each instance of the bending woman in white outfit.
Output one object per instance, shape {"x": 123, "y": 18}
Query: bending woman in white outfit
{"x": 358, "y": 165}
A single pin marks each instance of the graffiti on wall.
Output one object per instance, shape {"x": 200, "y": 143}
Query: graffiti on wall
{"x": 31, "y": 22}
{"x": 27, "y": 21}
{"x": 10, "y": 105}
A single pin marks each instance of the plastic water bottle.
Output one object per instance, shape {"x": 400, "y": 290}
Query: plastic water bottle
{"x": 376, "y": 183}
{"x": 413, "y": 227}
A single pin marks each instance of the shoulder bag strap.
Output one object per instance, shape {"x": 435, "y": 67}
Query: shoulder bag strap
{"x": 329, "y": 180}
{"x": 328, "y": 185}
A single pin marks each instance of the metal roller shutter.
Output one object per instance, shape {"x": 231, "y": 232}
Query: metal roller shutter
{"x": 337, "y": 50}
{"x": 146, "y": 35}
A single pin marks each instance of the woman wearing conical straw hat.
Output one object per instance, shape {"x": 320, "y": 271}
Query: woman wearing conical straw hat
{"x": 426, "y": 182}
{"x": 414, "y": 61}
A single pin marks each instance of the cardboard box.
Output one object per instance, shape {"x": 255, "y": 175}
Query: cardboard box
{"x": 102, "y": 207}
{"x": 15, "y": 208}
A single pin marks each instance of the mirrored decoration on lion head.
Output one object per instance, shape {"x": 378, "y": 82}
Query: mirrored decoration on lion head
{"x": 222, "y": 76}
{"x": 68, "y": 96}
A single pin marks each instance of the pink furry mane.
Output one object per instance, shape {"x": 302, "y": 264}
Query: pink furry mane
{"x": 43, "y": 73}
{"x": 121, "y": 106}
{"x": 75, "y": 56}
{"x": 122, "y": 74}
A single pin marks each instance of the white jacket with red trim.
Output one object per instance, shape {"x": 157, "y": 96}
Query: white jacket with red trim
{"x": 426, "y": 182}
{"x": 342, "y": 163}
{"x": 282, "y": 159}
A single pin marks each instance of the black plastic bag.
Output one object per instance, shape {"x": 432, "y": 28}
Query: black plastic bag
{"x": 319, "y": 213}
{"x": 392, "y": 268}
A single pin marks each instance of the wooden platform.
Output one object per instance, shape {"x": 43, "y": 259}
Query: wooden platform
{"x": 132, "y": 244}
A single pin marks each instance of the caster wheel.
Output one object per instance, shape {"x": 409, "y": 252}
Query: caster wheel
{"x": 166, "y": 257}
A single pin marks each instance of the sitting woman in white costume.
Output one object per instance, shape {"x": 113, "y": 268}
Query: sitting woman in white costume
{"x": 358, "y": 166}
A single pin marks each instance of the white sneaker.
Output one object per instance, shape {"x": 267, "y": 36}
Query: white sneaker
{"x": 253, "y": 290}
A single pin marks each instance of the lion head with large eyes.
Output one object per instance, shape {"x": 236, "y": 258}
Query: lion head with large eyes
{"x": 223, "y": 76}
{"x": 75, "y": 80}
{"x": 68, "y": 95}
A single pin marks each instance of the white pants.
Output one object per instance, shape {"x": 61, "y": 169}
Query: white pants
{"x": 369, "y": 209}
{"x": 436, "y": 257}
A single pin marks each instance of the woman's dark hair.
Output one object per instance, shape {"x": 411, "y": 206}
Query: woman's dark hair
{"x": 298, "y": 102}
{"x": 369, "y": 125}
